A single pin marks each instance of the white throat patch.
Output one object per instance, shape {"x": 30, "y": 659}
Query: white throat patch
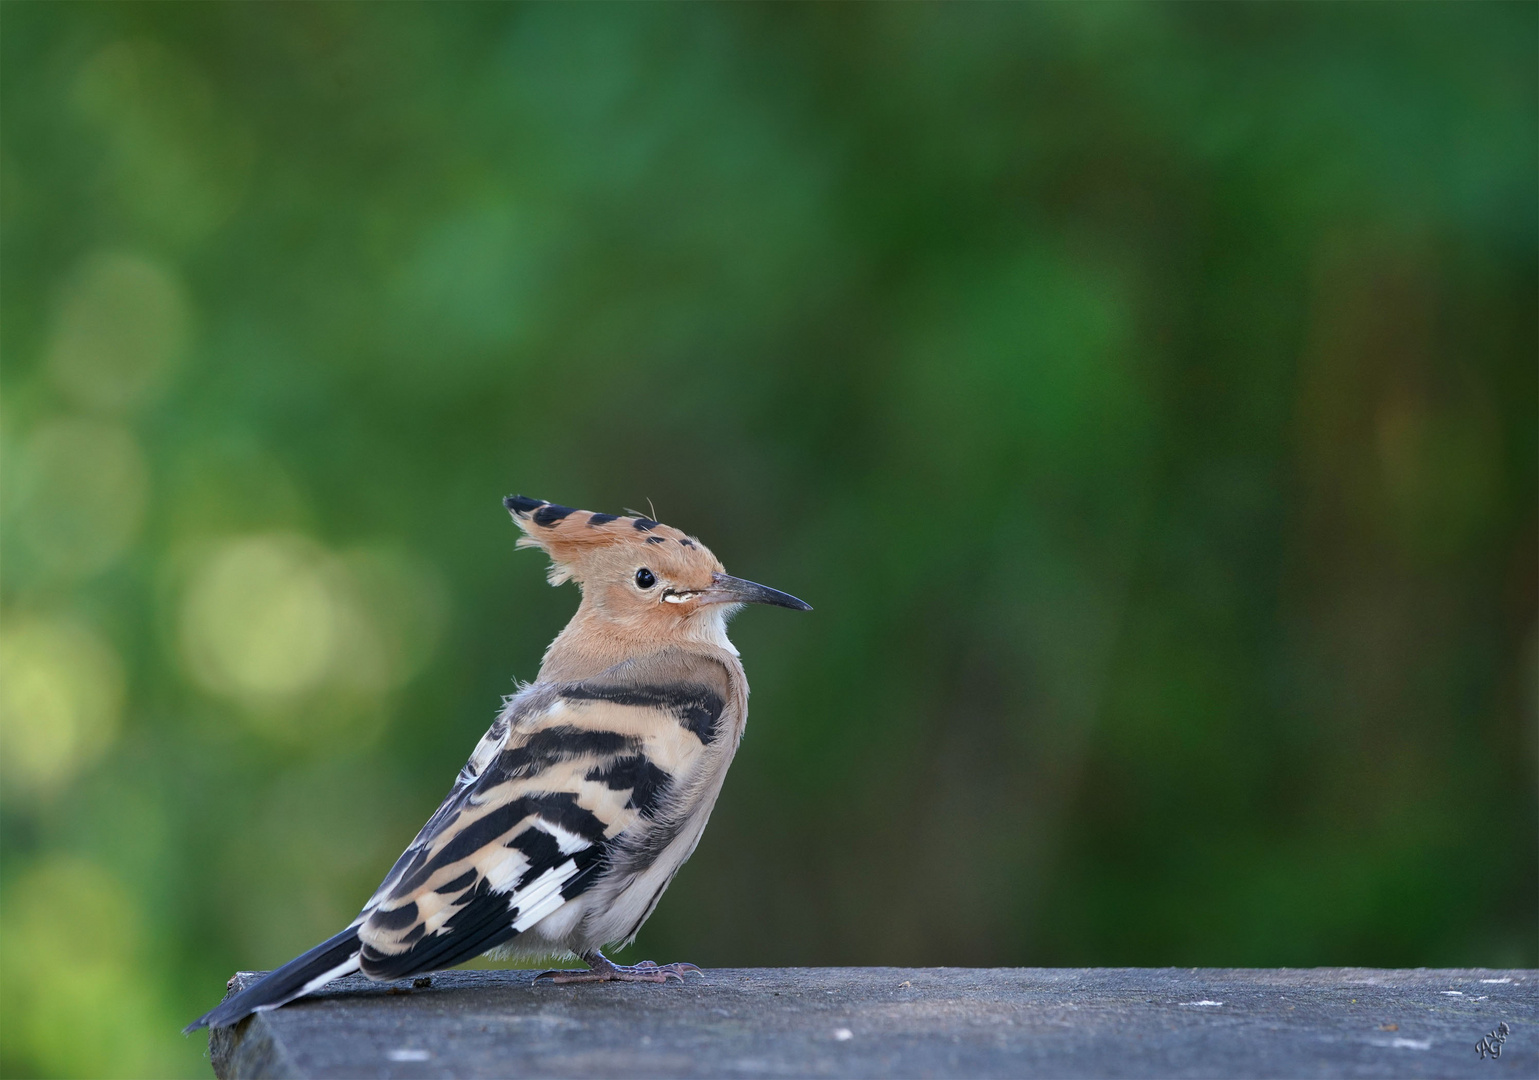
{"x": 710, "y": 627}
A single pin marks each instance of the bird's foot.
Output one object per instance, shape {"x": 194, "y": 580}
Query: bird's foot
{"x": 602, "y": 969}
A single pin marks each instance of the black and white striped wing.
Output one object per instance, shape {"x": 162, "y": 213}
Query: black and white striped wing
{"x": 562, "y": 779}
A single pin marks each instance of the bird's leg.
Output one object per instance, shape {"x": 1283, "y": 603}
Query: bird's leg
{"x": 603, "y": 969}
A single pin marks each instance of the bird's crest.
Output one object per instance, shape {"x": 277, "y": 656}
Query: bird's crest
{"x": 566, "y": 535}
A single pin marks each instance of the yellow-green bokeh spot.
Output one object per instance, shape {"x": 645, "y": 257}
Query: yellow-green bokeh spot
{"x": 61, "y": 696}
{"x": 120, "y": 329}
{"x": 74, "y": 991}
{"x": 81, "y": 489}
{"x": 175, "y": 165}
{"x": 304, "y": 640}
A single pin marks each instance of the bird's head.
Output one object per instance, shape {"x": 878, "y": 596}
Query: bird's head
{"x": 634, "y": 571}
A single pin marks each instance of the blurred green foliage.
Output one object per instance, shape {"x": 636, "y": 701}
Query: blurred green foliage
{"x": 1145, "y": 397}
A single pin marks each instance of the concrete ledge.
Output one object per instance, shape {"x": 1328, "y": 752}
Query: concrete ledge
{"x": 904, "y": 1022}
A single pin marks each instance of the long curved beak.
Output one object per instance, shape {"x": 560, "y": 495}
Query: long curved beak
{"x": 726, "y": 589}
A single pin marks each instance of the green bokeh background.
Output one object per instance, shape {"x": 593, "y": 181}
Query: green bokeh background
{"x": 1145, "y": 396}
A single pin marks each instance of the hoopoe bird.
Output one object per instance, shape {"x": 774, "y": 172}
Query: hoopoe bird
{"x": 589, "y": 791}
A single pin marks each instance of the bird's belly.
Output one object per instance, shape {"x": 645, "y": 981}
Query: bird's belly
{"x": 614, "y": 909}
{"x": 555, "y": 930}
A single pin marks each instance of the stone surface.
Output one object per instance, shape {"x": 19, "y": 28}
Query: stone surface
{"x": 904, "y": 1022}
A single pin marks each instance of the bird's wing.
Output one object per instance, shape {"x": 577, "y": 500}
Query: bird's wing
{"x": 566, "y": 773}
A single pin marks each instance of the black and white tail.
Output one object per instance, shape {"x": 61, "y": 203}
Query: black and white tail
{"x": 310, "y": 971}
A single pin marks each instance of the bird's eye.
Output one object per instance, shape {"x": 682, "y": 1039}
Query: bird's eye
{"x": 644, "y": 578}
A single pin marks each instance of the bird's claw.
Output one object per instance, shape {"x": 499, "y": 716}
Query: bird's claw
{"x": 647, "y": 971}
{"x": 678, "y": 971}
